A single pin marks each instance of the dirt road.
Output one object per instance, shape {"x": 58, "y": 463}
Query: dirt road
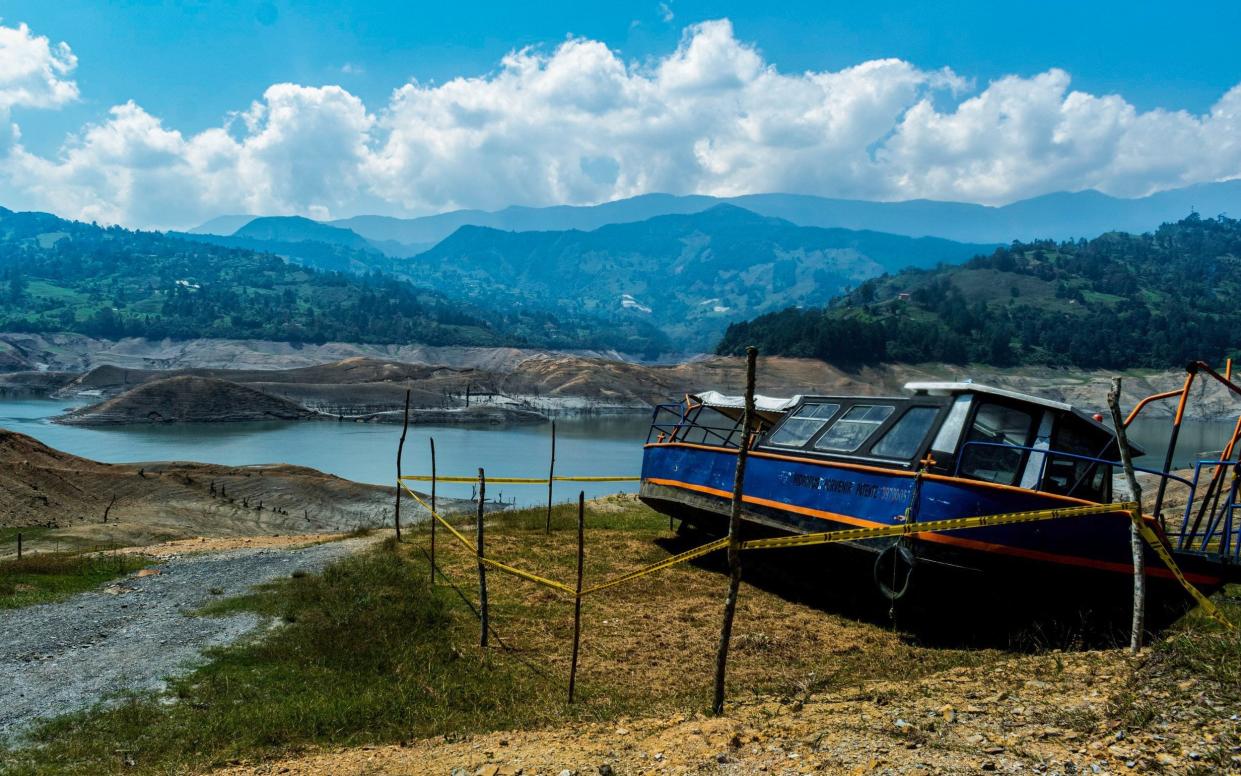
{"x": 64, "y": 657}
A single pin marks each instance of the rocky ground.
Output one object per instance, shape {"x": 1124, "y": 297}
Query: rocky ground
{"x": 67, "y": 656}
{"x": 370, "y": 381}
{"x": 71, "y": 502}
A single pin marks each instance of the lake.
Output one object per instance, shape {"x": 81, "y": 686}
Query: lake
{"x": 367, "y": 452}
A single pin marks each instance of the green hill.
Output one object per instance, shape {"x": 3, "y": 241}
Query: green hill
{"x": 689, "y": 275}
{"x": 1120, "y": 300}
{"x": 58, "y": 275}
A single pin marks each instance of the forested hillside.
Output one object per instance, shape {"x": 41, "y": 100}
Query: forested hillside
{"x": 58, "y": 275}
{"x": 1153, "y": 300}
{"x": 690, "y": 275}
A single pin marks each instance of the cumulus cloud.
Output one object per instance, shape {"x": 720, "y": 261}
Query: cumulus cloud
{"x": 33, "y": 72}
{"x": 580, "y": 124}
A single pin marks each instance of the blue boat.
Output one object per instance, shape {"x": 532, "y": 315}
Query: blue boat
{"x": 944, "y": 450}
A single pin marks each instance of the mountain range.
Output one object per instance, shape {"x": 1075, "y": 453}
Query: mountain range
{"x": 65, "y": 276}
{"x": 689, "y": 275}
{"x": 1058, "y": 216}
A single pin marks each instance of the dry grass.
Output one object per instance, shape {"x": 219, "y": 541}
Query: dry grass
{"x": 369, "y": 654}
{"x": 651, "y": 642}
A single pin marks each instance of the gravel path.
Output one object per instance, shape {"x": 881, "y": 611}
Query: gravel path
{"x": 64, "y": 657}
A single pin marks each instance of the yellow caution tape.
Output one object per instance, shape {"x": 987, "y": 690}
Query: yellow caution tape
{"x": 1207, "y": 606}
{"x": 689, "y": 555}
{"x": 955, "y": 524}
{"x": 596, "y": 479}
{"x": 488, "y": 561}
{"x": 857, "y": 534}
{"x": 515, "y": 480}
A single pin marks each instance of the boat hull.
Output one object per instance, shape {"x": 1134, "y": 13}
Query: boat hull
{"x": 1082, "y": 557}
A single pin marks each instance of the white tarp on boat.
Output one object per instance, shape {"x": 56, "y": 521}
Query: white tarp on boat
{"x": 770, "y": 408}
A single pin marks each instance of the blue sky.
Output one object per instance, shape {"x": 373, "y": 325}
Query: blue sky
{"x": 192, "y": 66}
{"x": 192, "y": 62}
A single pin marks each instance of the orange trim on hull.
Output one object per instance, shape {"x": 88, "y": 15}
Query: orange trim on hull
{"x": 877, "y": 469}
{"x": 973, "y": 544}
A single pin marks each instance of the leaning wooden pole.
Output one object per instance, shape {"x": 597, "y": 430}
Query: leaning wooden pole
{"x": 1135, "y": 538}
{"x": 577, "y": 599}
{"x": 434, "y": 511}
{"x": 551, "y": 476}
{"x": 734, "y": 534}
{"x": 400, "y": 449}
{"x": 482, "y": 567}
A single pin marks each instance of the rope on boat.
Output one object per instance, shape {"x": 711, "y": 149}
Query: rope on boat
{"x": 851, "y": 535}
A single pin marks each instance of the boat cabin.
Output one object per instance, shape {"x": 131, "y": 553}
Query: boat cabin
{"x": 959, "y": 429}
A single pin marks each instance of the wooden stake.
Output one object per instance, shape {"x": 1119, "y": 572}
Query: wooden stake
{"x": 482, "y": 568}
{"x": 577, "y": 600}
{"x": 734, "y": 534}
{"x": 400, "y": 448}
{"x": 19, "y": 546}
{"x": 433, "y": 509}
{"x": 1135, "y": 538}
{"x": 551, "y": 474}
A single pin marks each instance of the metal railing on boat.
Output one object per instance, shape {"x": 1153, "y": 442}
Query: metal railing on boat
{"x": 1209, "y": 526}
{"x": 679, "y": 423}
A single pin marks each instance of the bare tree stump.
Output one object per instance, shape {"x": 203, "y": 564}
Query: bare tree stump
{"x": 734, "y": 534}
{"x": 1135, "y": 538}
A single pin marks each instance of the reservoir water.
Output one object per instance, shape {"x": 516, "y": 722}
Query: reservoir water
{"x": 367, "y": 452}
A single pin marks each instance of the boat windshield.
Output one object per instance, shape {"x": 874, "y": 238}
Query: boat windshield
{"x": 905, "y": 438}
{"x": 803, "y": 424}
{"x": 854, "y": 427}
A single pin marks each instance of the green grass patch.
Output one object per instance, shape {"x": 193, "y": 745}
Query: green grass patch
{"x": 8, "y": 537}
{"x": 50, "y": 576}
{"x": 367, "y": 652}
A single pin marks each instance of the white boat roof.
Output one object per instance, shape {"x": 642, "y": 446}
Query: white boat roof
{"x": 949, "y": 388}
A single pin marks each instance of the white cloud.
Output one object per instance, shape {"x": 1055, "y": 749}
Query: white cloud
{"x": 33, "y": 72}
{"x": 580, "y": 124}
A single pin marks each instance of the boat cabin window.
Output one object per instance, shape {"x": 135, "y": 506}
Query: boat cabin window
{"x": 996, "y": 424}
{"x": 854, "y": 427}
{"x": 905, "y": 437}
{"x": 803, "y": 424}
{"x": 1074, "y": 477}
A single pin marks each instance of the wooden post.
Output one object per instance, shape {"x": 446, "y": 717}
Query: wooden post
{"x": 551, "y": 474}
{"x": 482, "y": 568}
{"x": 1135, "y": 538}
{"x": 433, "y": 509}
{"x": 734, "y": 534}
{"x": 400, "y": 448}
{"x": 19, "y": 546}
{"x": 577, "y": 600}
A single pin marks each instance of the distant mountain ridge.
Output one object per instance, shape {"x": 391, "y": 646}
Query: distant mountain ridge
{"x": 1058, "y": 216}
{"x": 66, "y": 276}
{"x": 690, "y": 275}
